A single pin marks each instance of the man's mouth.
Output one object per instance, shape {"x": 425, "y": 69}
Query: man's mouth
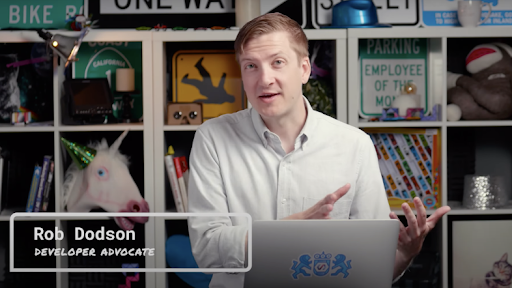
{"x": 268, "y": 95}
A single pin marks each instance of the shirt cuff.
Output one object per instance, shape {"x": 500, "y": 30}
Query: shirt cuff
{"x": 400, "y": 276}
{"x": 232, "y": 246}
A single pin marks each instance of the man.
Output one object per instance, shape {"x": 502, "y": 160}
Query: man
{"x": 281, "y": 160}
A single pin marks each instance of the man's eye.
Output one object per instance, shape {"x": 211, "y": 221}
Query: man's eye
{"x": 279, "y": 62}
{"x": 249, "y": 66}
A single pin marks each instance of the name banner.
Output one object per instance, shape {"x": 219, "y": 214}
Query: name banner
{"x": 444, "y": 13}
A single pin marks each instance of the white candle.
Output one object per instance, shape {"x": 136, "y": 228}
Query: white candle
{"x": 125, "y": 79}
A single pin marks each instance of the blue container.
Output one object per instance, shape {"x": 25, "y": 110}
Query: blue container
{"x": 355, "y": 14}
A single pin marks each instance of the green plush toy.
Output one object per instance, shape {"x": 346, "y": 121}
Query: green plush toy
{"x": 319, "y": 94}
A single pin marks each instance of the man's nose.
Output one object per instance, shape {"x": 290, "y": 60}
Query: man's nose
{"x": 267, "y": 77}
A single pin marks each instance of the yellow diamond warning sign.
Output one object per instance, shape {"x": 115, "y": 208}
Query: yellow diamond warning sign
{"x": 211, "y": 77}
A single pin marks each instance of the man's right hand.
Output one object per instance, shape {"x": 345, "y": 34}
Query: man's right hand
{"x": 322, "y": 209}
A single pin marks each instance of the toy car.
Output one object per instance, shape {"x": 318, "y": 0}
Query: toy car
{"x": 179, "y": 28}
{"x": 218, "y": 28}
{"x": 160, "y": 26}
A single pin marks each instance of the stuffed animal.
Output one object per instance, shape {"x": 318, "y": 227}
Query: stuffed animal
{"x": 100, "y": 178}
{"x": 487, "y": 93}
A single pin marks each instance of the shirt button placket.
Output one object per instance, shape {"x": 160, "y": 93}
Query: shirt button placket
{"x": 282, "y": 190}
{"x": 286, "y": 186}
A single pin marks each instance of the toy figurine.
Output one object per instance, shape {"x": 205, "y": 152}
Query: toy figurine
{"x": 99, "y": 178}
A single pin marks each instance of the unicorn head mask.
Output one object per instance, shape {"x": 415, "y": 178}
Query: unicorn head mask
{"x": 99, "y": 178}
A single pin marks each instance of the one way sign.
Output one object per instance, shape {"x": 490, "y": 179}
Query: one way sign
{"x": 185, "y": 13}
{"x": 295, "y": 9}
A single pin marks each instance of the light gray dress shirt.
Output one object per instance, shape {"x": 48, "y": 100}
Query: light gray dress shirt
{"x": 237, "y": 165}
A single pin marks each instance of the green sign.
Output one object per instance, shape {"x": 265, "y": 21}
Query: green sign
{"x": 30, "y": 14}
{"x": 101, "y": 59}
{"x": 386, "y": 65}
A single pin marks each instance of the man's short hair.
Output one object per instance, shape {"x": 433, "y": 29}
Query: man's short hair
{"x": 273, "y": 22}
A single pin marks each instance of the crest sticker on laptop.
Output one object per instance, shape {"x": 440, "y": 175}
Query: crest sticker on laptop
{"x": 321, "y": 265}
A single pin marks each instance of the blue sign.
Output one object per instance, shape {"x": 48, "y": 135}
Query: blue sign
{"x": 323, "y": 264}
{"x": 444, "y": 13}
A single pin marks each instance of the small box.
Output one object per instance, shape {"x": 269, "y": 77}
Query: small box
{"x": 184, "y": 114}
{"x": 21, "y": 117}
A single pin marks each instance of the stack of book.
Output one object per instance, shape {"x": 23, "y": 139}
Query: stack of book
{"x": 42, "y": 178}
{"x": 177, "y": 172}
{"x": 409, "y": 161}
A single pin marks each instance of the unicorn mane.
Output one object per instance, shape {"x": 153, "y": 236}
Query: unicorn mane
{"x": 73, "y": 173}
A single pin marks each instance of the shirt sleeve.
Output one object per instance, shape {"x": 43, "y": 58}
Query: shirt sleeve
{"x": 370, "y": 200}
{"x": 215, "y": 241}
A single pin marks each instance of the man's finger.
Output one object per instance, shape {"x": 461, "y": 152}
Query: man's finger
{"x": 421, "y": 213}
{"x": 412, "y": 223}
{"x": 402, "y": 234}
{"x": 326, "y": 210}
{"x": 336, "y": 195}
{"x": 432, "y": 220}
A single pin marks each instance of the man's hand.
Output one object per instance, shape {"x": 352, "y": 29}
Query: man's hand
{"x": 323, "y": 208}
{"x": 410, "y": 239}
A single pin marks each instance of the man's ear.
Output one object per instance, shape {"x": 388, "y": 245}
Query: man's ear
{"x": 306, "y": 69}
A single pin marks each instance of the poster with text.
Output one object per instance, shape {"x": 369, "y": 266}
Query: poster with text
{"x": 386, "y": 65}
{"x": 444, "y": 13}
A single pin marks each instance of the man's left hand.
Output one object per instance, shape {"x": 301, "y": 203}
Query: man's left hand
{"x": 410, "y": 239}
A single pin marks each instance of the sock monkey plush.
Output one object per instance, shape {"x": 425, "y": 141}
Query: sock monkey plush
{"x": 487, "y": 93}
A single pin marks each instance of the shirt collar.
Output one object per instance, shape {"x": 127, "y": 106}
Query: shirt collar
{"x": 305, "y": 133}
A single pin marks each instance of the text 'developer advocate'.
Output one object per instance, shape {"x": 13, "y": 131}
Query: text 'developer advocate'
{"x": 95, "y": 242}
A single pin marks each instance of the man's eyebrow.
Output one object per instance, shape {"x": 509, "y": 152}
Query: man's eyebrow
{"x": 271, "y": 56}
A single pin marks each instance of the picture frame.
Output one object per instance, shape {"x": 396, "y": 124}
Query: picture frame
{"x": 473, "y": 250}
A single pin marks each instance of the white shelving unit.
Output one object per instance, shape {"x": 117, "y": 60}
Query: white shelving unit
{"x": 438, "y": 66}
{"x": 57, "y": 128}
{"x": 155, "y": 132}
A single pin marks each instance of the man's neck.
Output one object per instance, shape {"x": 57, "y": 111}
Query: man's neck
{"x": 289, "y": 126}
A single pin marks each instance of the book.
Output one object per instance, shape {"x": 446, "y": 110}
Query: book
{"x": 33, "y": 188}
{"x": 173, "y": 179}
{"x": 42, "y": 183}
{"x": 46, "y": 195}
{"x": 1, "y": 175}
{"x": 409, "y": 161}
{"x": 184, "y": 170}
{"x": 181, "y": 182}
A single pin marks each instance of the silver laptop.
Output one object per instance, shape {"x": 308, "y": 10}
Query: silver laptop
{"x": 323, "y": 253}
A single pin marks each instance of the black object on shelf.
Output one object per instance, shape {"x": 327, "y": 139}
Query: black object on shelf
{"x": 127, "y": 105}
{"x": 87, "y": 101}
{"x": 424, "y": 272}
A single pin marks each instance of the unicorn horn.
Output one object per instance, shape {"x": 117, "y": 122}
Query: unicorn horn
{"x": 117, "y": 143}
{"x": 81, "y": 154}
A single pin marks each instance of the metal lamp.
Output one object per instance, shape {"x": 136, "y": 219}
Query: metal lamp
{"x": 66, "y": 46}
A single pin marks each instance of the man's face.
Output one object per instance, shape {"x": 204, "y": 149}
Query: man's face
{"x": 273, "y": 75}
